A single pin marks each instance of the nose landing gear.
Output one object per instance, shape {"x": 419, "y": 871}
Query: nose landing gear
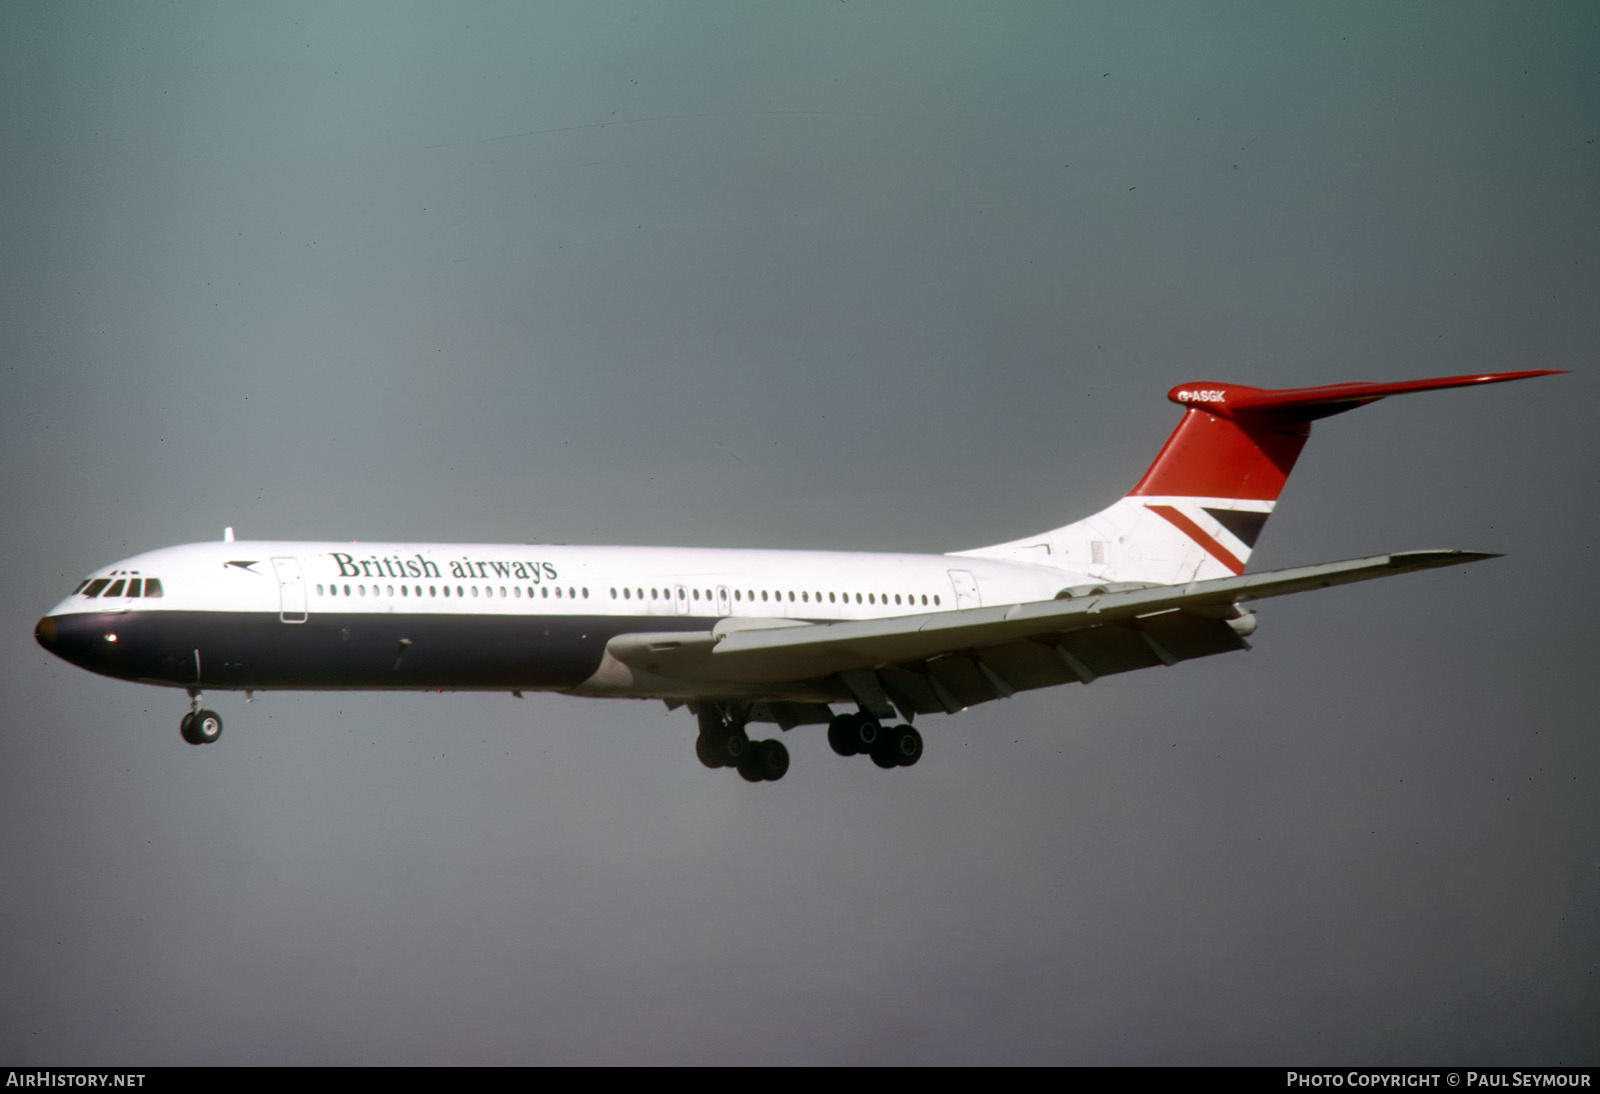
{"x": 200, "y": 726}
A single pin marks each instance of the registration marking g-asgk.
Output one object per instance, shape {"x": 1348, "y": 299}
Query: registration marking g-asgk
{"x": 1204, "y": 395}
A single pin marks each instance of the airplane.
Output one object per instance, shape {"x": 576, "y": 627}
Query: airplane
{"x": 741, "y": 636}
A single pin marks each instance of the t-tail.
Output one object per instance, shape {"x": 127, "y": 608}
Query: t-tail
{"x": 1199, "y": 510}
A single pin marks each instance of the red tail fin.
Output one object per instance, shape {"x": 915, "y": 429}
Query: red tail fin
{"x": 1242, "y": 442}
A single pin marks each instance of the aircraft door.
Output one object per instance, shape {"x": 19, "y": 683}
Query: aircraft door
{"x": 291, "y": 590}
{"x": 966, "y": 589}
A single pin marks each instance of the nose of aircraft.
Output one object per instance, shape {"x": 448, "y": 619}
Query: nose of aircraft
{"x": 81, "y": 640}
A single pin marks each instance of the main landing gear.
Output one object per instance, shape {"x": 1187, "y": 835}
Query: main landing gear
{"x": 199, "y": 726}
{"x": 889, "y": 746}
{"x": 724, "y": 743}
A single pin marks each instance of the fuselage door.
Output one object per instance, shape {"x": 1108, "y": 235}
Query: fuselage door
{"x": 966, "y": 589}
{"x": 291, "y": 590}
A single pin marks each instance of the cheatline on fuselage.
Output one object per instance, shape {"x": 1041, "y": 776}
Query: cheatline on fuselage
{"x": 748, "y": 636}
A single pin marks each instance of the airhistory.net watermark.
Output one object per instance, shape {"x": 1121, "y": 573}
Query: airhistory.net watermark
{"x": 74, "y": 1078}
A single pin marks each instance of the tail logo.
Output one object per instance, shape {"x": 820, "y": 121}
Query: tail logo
{"x": 1206, "y": 540}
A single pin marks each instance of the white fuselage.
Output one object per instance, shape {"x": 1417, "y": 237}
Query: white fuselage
{"x": 285, "y": 614}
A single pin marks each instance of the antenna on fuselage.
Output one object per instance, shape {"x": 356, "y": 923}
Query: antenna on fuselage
{"x": 227, "y": 534}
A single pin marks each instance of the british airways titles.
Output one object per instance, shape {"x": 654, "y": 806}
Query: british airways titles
{"x": 464, "y": 569}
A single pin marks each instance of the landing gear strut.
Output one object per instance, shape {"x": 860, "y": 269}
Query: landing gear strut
{"x": 724, "y": 743}
{"x": 891, "y": 746}
{"x": 199, "y": 726}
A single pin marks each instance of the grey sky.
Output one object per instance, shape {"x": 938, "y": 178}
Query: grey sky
{"x": 838, "y": 275}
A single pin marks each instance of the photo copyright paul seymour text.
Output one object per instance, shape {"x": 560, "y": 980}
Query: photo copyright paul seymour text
{"x": 1471, "y": 1079}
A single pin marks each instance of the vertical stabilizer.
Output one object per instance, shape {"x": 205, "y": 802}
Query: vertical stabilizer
{"x": 1200, "y": 508}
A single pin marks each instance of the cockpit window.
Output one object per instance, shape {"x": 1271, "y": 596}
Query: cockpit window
{"x": 96, "y": 585}
{"x": 133, "y": 586}
{"x": 152, "y": 586}
{"x": 79, "y": 589}
{"x": 116, "y": 588}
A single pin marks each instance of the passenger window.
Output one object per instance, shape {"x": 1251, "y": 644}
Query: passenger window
{"x": 116, "y": 588}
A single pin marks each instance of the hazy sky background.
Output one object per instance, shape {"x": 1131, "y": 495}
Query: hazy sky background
{"x": 896, "y": 276}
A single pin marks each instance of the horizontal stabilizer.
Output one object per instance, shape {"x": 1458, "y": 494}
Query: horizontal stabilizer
{"x": 1304, "y": 404}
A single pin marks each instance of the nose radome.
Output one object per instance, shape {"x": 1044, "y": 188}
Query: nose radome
{"x": 44, "y": 632}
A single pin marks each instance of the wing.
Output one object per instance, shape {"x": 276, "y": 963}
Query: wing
{"x": 945, "y": 661}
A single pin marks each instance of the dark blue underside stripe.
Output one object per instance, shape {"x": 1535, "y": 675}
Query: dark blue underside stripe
{"x": 333, "y": 651}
